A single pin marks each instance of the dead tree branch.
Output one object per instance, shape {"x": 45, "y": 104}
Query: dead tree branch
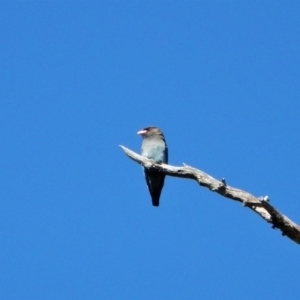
{"x": 259, "y": 205}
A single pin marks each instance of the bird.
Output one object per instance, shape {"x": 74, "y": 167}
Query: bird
{"x": 154, "y": 147}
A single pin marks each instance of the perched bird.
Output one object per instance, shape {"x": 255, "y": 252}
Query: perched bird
{"x": 154, "y": 147}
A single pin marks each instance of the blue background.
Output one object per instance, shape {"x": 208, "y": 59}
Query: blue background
{"x": 221, "y": 78}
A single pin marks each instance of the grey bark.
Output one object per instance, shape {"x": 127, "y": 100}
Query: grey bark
{"x": 260, "y": 205}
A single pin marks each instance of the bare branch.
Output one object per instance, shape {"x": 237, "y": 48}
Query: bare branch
{"x": 259, "y": 205}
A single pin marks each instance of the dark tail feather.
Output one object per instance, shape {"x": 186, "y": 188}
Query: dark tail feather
{"x": 155, "y": 192}
{"x": 155, "y": 200}
{"x": 155, "y": 184}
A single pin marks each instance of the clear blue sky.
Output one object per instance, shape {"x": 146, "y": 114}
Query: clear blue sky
{"x": 78, "y": 78}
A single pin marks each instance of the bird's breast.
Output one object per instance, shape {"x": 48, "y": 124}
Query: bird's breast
{"x": 157, "y": 153}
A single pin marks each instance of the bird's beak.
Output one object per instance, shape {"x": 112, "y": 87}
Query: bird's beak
{"x": 142, "y": 132}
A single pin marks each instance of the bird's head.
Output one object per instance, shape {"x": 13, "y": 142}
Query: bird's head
{"x": 149, "y": 131}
